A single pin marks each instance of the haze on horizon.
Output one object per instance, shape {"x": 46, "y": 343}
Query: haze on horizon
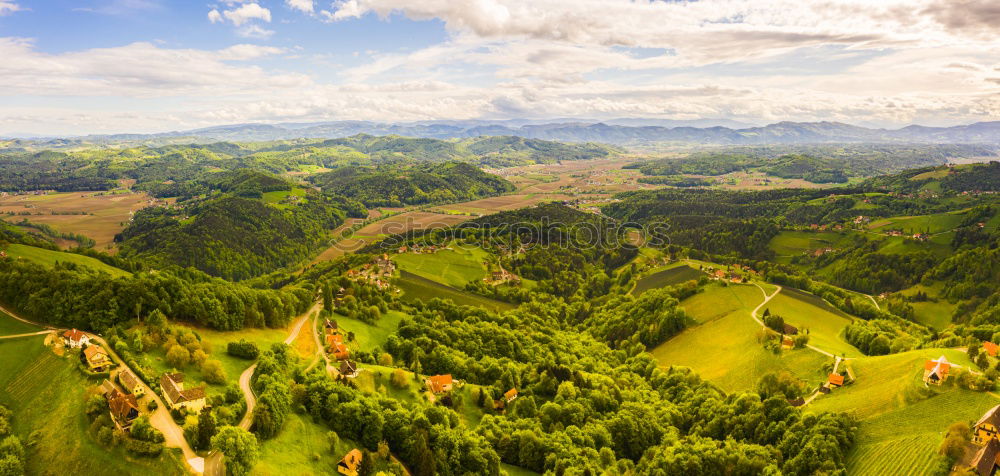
{"x": 73, "y": 67}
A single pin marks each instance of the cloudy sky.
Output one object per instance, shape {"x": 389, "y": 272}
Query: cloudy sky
{"x": 94, "y": 66}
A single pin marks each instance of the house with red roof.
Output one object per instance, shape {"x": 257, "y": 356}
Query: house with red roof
{"x": 439, "y": 383}
{"x": 836, "y": 380}
{"x": 990, "y": 348}
{"x": 936, "y": 371}
{"x": 75, "y": 339}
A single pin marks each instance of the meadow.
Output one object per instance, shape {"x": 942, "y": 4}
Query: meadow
{"x": 367, "y": 335}
{"x": 793, "y": 243}
{"x": 48, "y": 395}
{"x": 301, "y": 448}
{"x": 11, "y": 326}
{"x": 50, "y": 258}
{"x": 667, "y": 277}
{"x": 453, "y": 267}
{"x": 416, "y": 287}
{"x": 936, "y": 223}
{"x": 824, "y": 323}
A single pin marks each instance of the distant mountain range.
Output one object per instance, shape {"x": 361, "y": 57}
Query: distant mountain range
{"x": 621, "y": 131}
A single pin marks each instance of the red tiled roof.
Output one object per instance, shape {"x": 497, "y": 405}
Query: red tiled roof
{"x": 836, "y": 379}
{"x": 438, "y": 382}
{"x": 93, "y": 352}
{"x": 990, "y": 348}
{"x": 73, "y": 334}
{"x": 510, "y": 394}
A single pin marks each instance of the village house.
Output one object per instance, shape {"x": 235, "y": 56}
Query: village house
{"x": 124, "y": 407}
{"x": 335, "y": 346}
{"x": 797, "y": 402}
{"x": 348, "y": 369}
{"x": 97, "y": 358}
{"x": 787, "y": 342}
{"x": 990, "y": 348}
{"x": 75, "y": 339}
{"x": 836, "y": 380}
{"x": 349, "y": 465}
{"x": 130, "y": 382}
{"x": 987, "y": 427}
{"x": 439, "y": 383}
{"x": 331, "y": 327}
{"x": 510, "y": 395}
{"x": 985, "y": 461}
{"x": 176, "y": 397}
{"x": 384, "y": 264}
{"x": 936, "y": 371}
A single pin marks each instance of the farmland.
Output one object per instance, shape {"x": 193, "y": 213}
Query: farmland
{"x": 98, "y": 215}
{"x": 50, "y": 258}
{"x": 825, "y": 323}
{"x": 667, "y": 277}
{"x": 371, "y": 336}
{"x": 11, "y": 326}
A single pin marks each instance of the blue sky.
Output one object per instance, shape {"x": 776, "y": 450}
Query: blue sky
{"x": 96, "y": 66}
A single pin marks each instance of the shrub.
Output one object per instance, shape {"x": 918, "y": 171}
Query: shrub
{"x": 213, "y": 372}
{"x": 178, "y": 356}
{"x": 243, "y": 350}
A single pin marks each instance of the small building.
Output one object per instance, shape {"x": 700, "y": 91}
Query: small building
{"x": 331, "y": 327}
{"x": 349, "y": 464}
{"x": 335, "y": 346}
{"x": 97, "y": 358}
{"x": 787, "y": 342}
{"x": 789, "y": 329}
{"x": 987, "y": 427}
{"x": 990, "y": 348}
{"x": 439, "y": 383}
{"x": 824, "y": 389}
{"x": 130, "y": 382}
{"x": 348, "y": 369}
{"x": 797, "y": 402}
{"x": 75, "y": 339}
{"x": 836, "y": 380}
{"x": 985, "y": 461}
{"x": 124, "y": 407}
{"x": 177, "y": 397}
{"x": 936, "y": 371}
{"x": 510, "y": 395}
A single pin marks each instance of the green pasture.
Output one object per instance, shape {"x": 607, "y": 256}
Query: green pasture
{"x": 50, "y": 258}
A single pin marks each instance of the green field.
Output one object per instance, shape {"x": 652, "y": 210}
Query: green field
{"x": 416, "y": 287}
{"x": 724, "y": 349}
{"x": 936, "y": 223}
{"x": 50, "y": 258}
{"x": 667, "y": 277}
{"x": 48, "y": 394}
{"x": 274, "y": 198}
{"x": 11, "y": 326}
{"x": 301, "y": 448}
{"x": 825, "y": 323}
{"x": 792, "y": 243}
{"x": 367, "y": 335}
{"x": 454, "y": 267}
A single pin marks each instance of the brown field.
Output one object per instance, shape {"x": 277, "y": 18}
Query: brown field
{"x": 106, "y": 213}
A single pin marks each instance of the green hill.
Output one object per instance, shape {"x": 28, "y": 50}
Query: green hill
{"x": 50, "y": 258}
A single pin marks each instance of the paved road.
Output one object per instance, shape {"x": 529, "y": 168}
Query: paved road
{"x": 214, "y": 463}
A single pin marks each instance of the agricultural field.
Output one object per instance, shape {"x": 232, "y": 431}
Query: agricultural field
{"x": 793, "y": 243}
{"x": 667, "y": 277}
{"x": 367, "y": 335}
{"x": 825, "y": 323}
{"x": 301, "y": 448}
{"x": 48, "y": 395}
{"x": 719, "y": 300}
{"x": 417, "y": 287}
{"x": 50, "y": 258}
{"x": 98, "y": 215}
{"x": 275, "y": 198}
{"x": 937, "y": 223}
{"x": 454, "y": 267}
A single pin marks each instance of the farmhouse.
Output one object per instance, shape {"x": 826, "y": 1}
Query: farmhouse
{"x": 990, "y": 348}
{"x": 331, "y": 327}
{"x": 336, "y": 347}
{"x": 439, "y": 383}
{"x": 836, "y": 380}
{"x": 936, "y": 371}
{"x": 175, "y": 395}
{"x": 130, "y": 382}
{"x": 510, "y": 395}
{"x": 124, "y": 408}
{"x": 985, "y": 460}
{"x": 349, "y": 465}
{"x": 75, "y": 339}
{"x": 348, "y": 369}
{"x": 97, "y": 358}
{"x": 987, "y": 427}
{"x": 787, "y": 342}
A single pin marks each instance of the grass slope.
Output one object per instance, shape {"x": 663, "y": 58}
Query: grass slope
{"x": 667, "y": 277}
{"x": 50, "y": 258}
{"x": 47, "y": 395}
{"x": 370, "y": 336}
{"x": 300, "y": 449}
{"x": 11, "y": 326}
{"x": 824, "y": 322}
{"x": 416, "y": 287}
{"x": 454, "y": 267}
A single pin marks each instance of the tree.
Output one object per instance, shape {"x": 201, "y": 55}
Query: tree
{"x": 206, "y": 428}
{"x": 240, "y": 448}
{"x": 178, "y": 357}
{"x": 333, "y": 439}
{"x": 213, "y": 372}
{"x": 982, "y": 361}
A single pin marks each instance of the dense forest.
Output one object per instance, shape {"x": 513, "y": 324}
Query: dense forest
{"x": 399, "y": 185}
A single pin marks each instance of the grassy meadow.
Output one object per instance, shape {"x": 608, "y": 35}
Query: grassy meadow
{"x": 454, "y": 267}
{"x": 11, "y": 326}
{"x": 824, "y": 322}
{"x": 416, "y": 287}
{"x": 667, "y": 277}
{"x": 50, "y": 258}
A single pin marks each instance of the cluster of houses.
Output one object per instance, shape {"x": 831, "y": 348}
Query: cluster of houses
{"x": 501, "y": 276}
{"x": 735, "y": 274}
{"x": 337, "y": 348}
{"x": 377, "y": 272}
{"x": 96, "y": 358}
{"x": 420, "y": 249}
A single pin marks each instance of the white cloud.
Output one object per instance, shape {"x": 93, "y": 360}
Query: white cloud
{"x": 214, "y": 16}
{"x": 300, "y": 5}
{"x": 247, "y": 12}
{"x": 254, "y": 31}
{"x": 7, "y": 7}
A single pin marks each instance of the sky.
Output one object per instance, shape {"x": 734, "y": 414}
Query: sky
{"x": 73, "y": 67}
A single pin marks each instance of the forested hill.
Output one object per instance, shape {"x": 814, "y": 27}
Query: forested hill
{"x": 86, "y": 167}
{"x": 944, "y": 179}
{"x": 396, "y": 186}
{"x": 234, "y": 232}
